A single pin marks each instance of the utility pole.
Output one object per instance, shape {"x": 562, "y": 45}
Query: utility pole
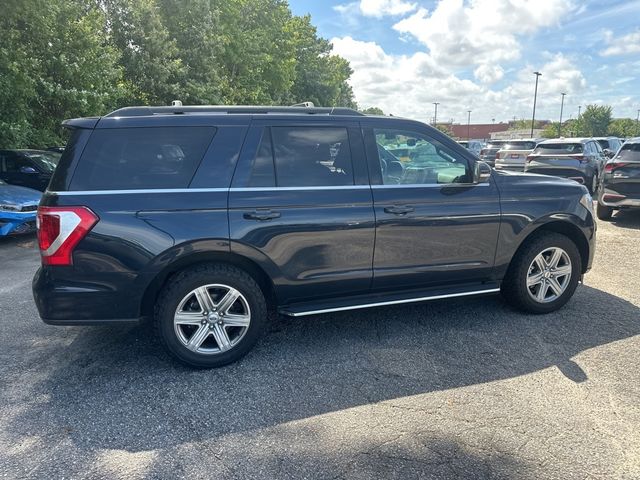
{"x": 469, "y": 125}
{"x": 561, "y": 108}
{"x": 535, "y": 97}
{"x": 435, "y": 114}
{"x": 638, "y": 123}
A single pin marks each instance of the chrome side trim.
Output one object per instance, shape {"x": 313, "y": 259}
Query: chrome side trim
{"x": 142, "y": 190}
{"x": 432, "y": 185}
{"x": 279, "y": 189}
{"x": 392, "y": 302}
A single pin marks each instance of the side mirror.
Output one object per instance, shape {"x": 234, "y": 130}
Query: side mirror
{"x": 482, "y": 172}
{"x": 608, "y": 153}
{"x": 27, "y": 170}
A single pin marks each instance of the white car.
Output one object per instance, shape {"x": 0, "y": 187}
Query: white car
{"x": 514, "y": 153}
{"x": 472, "y": 145}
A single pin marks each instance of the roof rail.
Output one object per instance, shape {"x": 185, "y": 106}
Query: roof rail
{"x": 178, "y": 110}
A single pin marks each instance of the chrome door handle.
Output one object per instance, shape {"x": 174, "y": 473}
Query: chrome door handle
{"x": 261, "y": 215}
{"x": 398, "y": 210}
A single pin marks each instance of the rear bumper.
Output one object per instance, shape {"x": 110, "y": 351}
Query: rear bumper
{"x": 579, "y": 176}
{"x": 62, "y": 300}
{"x": 515, "y": 167}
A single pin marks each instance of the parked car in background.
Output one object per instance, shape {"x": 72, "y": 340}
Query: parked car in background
{"x": 472, "y": 145}
{"x": 18, "y": 207}
{"x": 205, "y": 218}
{"x": 489, "y": 151}
{"x": 28, "y": 168}
{"x": 578, "y": 159}
{"x": 513, "y": 154}
{"x": 609, "y": 145}
{"x": 620, "y": 186}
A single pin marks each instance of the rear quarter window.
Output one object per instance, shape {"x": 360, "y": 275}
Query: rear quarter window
{"x": 141, "y": 158}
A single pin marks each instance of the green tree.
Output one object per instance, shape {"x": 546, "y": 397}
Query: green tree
{"x": 525, "y": 124}
{"x": 444, "y": 129}
{"x": 373, "y": 111}
{"x": 624, "y": 127}
{"x": 55, "y": 62}
{"x": 594, "y": 121}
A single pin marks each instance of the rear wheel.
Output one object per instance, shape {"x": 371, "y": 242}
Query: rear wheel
{"x": 603, "y": 212}
{"x": 544, "y": 274}
{"x": 211, "y": 315}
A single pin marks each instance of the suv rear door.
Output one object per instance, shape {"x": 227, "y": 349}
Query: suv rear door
{"x": 434, "y": 226}
{"x": 300, "y": 206}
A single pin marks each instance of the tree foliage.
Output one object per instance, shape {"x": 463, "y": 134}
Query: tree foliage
{"x": 624, "y": 127}
{"x": 373, "y": 111}
{"x": 70, "y": 58}
{"x": 594, "y": 121}
{"x": 445, "y": 129}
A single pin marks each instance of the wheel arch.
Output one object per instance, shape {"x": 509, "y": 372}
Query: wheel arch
{"x": 563, "y": 227}
{"x": 220, "y": 257}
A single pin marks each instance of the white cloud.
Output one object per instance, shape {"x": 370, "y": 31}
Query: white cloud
{"x": 488, "y": 73}
{"x": 406, "y": 85}
{"x": 482, "y": 31}
{"x": 376, "y": 8}
{"x": 623, "y": 45}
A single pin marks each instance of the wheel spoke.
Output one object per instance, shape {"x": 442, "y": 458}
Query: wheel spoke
{"x": 540, "y": 262}
{"x": 228, "y": 300}
{"x": 555, "y": 286}
{"x": 563, "y": 270}
{"x": 204, "y": 299}
{"x": 555, "y": 258}
{"x": 198, "y": 337}
{"x": 188, "y": 318}
{"x": 534, "y": 279}
{"x": 222, "y": 338}
{"x": 232, "y": 320}
{"x": 542, "y": 291}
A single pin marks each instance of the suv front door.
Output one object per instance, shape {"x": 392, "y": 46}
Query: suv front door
{"x": 434, "y": 226}
{"x": 300, "y": 206}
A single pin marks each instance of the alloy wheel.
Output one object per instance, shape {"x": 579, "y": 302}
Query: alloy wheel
{"x": 549, "y": 275}
{"x": 212, "y": 319}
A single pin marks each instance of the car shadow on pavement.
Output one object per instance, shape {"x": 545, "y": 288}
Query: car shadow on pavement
{"x": 627, "y": 219}
{"x": 115, "y": 388}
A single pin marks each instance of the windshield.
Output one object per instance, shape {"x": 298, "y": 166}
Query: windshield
{"x": 464, "y": 144}
{"x": 45, "y": 161}
{"x": 519, "y": 146}
{"x": 630, "y": 152}
{"x": 559, "y": 148}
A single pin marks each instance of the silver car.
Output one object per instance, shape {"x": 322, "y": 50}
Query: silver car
{"x": 514, "y": 153}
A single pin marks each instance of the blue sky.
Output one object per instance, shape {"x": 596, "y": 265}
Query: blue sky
{"x": 479, "y": 55}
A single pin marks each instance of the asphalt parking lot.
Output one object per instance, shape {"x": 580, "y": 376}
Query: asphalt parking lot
{"x": 465, "y": 388}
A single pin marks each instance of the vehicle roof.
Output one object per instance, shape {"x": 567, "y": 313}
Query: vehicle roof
{"x": 605, "y": 138}
{"x": 633, "y": 140}
{"x": 568, "y": 140}
{"x": 144, "y": 111}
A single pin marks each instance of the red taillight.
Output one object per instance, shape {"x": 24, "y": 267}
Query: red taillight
{"x": 483, "y": 151}
{"x": 497, "y": 154}
{"x": 60, "y": 229}
{"x": 529, "y": 158}
{"x": 611, "y": 166}
{"x": 612, "y": 197}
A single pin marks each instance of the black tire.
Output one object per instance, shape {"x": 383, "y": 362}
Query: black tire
{"x": 603, "y": 212}
{"x": 514, "y": 286}
{"x": 188, "y": 280}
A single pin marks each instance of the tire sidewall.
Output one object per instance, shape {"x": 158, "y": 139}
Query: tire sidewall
{"x": 189, "y": 281}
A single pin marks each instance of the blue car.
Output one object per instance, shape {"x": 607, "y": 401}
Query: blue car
{"x": 18, "y": 206}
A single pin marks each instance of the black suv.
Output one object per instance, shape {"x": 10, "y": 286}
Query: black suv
{"x": 28, "y": 168}
{"x": 206, "y": 218}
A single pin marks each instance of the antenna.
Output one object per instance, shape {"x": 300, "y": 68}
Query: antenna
{"x": 304, "y": 104}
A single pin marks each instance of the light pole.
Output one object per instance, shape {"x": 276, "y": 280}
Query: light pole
{"x": 535, "y": 97}
{"x": 469, "y": 125}
{"x": 578, "y": 121}
{"x": 638, "y": 123}
{"x": 435, "y": 114}
{"x": 561, "y": 108}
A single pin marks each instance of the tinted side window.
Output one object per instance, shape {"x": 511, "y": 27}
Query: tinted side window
{"x": 312, "y": 156}
{"x": 262, "y": 171}
{"x": 409, "y": 158}
{"x": 137, "y": 158}
{"x": 14, "y": 164}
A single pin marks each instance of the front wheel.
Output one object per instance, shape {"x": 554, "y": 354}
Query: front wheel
{"x": 211, "y": 315}
{"x": 544, "y": 274}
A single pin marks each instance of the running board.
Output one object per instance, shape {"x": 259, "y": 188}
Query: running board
{"x": 379, "y": 301}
